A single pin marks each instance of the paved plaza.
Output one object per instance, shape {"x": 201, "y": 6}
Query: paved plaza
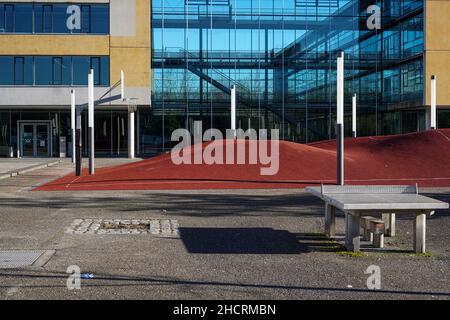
{"x": 11, "y": 166}
{"x": 264, "y": 244}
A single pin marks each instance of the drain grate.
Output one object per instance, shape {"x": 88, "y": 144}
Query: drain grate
{"x": 18, "y": 259}
{"x": 155, "y": 227}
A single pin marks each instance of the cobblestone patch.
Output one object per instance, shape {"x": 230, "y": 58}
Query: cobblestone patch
{"x": 155, "y": 227}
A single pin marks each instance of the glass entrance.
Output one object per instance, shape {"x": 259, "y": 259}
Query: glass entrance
{"x": 120, "y": 134}
{"x": 42, "y": 140}
{"x": 35, "y": 140}
{"x": 27, "y": 140}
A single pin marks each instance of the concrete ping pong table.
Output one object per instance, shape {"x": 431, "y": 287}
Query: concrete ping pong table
{"x": 360, "y": 201}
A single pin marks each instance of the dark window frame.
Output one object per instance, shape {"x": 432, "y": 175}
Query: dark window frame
{"x": 54, "y": 64}
{"x": 97, "y": 80}
{"x": 2, "y": 18}
{"x": 9, "y": 5}
{"x": 89, "y": 27}
{"x": 16, "y": 81}
{"x": 43, "y": 18}
{"x": 16, "y": 6}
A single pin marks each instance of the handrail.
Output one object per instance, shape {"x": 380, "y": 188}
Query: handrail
{"x": 244, "y": 94}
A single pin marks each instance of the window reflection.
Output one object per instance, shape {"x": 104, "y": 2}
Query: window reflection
{"x": 282, "y": 57}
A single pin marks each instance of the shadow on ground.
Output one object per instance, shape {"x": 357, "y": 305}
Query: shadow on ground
{"x": 293, "y": 204}
{"x": 188, "y": 204}
{"x": 253, "y": 241}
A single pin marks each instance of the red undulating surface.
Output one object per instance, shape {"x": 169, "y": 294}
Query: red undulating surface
{"x": 422, "y": 158}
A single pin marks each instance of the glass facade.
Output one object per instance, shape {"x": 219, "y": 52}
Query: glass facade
{"x": 53, "y": 18}
{"x": 53, "y": 71}
{"x": 111, "y": 134}
{"x": 281, "y": 55}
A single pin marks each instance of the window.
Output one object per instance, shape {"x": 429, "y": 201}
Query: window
{"x": 7, "y": 74}
{"x": 52, "y": 18}
{"x": 19, "y": 76}
{"x": 23, "y": 22}
{"x": 66, "y": 71}
{"x": 28, "y": 71}
{"x": 2, "y": 18}
{"x": 43, "y": 71}
{"x": 43, "y": 19}
{"x": 16, "y": 70}
{"x": 47, "y": 23}
{"x": 85, "y": 19}
{"x": 81, "y": 66}
{"x": 38, "y": 18}
{"x": 104, "y": 71}
{"x": 95, "y": 65}
{"x": 100, "y": 19}
{"x": 57, "y": 70}
{"x": 53, "y": 71}
{"x": 60, "y": 19}
{"x": 9, "y": 18}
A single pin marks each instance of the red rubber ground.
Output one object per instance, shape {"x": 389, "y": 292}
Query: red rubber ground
{"x": 422, "y": 158}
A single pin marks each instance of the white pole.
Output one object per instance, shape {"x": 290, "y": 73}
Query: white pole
{"x": 131, "y": 113}
{"x": 72, "y": 123}
{"x": 354, "y": 116}
{"x": 433, "y": 122}
{"x": 340, "y": 89}
{"x": 233, "y": 108}
{"x": 91, "y": 99}
{"x": 340, "y": 120}
{"x": 78, "y": 139}
{"x": 91, "y": 121}
{"x": 122, "y": 85}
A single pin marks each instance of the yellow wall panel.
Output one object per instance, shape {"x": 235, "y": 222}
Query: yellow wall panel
{"x": 142, "y": 32}
{"x": 54, "y": 45}
{"x": 437, "y": 45}
{"x": 438, "y": 63}
{"x": 135, "y": 62}
{"x": 437, "y": 25}
{"x": 132, "y": 54}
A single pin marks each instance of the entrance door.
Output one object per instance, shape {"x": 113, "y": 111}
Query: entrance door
{"x": 35, "y": 140}
{"x": 27, "y": 134}
{"x": 120, "y": 134}
{"x": 42, "y": 141}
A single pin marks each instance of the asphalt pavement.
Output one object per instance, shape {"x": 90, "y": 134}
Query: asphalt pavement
{"x": 264, "y": 244}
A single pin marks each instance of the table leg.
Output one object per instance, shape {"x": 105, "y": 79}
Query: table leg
{"x": 389, "y": 220}
{"x": 330, "y": 221}
{"x": 352, "y": 232}
{"x": 420, "y": 233}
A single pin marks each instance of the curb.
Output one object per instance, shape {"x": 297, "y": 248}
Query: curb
{"x": 19, "y": 172}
